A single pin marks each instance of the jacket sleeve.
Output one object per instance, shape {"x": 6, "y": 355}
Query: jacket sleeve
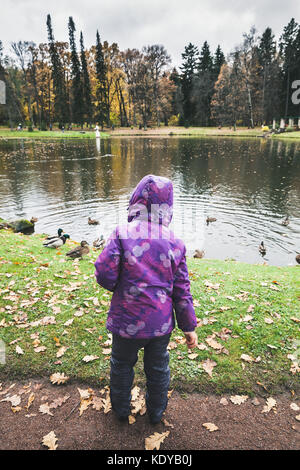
{"x": 182, "y": 298}
{"x": 108, "y": 263}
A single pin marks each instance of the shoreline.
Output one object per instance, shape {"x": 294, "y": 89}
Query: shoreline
{"x": 6, "y": 134}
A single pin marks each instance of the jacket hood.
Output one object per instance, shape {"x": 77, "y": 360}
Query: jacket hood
{"x": 152, "y": 200}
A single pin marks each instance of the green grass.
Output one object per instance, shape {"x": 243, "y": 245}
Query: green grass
{"x": 8, "y": 134}
{"x": 36, "y": 282}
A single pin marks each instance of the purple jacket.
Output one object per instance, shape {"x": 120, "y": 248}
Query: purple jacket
{"x": 144, "y": 265}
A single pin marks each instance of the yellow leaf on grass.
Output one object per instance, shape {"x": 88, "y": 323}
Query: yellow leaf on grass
{"x": 19, "y": 350}
{"x": 90, "y": 358}
{"x": 155, "y": 440}
{"x": 50, "y": 441}
{"x": 208, "y": 366}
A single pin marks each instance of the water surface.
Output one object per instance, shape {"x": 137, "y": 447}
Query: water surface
{"x": 249, "y": 185}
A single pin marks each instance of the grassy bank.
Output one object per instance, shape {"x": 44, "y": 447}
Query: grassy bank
{"x": 57, "y": 134}
{"x": 135, "y": 132}
{"x": 52, "y": 315}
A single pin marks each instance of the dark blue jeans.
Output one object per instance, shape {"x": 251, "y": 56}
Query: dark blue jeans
{"x": 156, "y": 366}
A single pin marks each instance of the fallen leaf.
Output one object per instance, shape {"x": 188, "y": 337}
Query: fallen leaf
{"x": 50, "y": 441}
{"x": 19, "y": 350}
{"x": 58, "y": 378}
{"x": 294, "y": 407}
{"x": 208, "y": 366}
{"x": 90, "y": 358}
{"x": 131, "y": 419}
{"x": 155, "y": 440}
{"x": 270, "y": 404}
{"x": 45, "y": 409}
{"x": 247, "y": 358}
{"x": 210, "y": 426}
{"x": 238, "y": 399}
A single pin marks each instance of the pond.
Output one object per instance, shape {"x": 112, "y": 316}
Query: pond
{"x": 248, "y": 185}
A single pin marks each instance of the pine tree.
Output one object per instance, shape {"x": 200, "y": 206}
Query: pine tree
{"x": 61, "y": 107}
{"x": 218, "y": 61}
{"x": 101, "y": 75}
{"x": 203, "y": 85}
{"x": 88, "y": 110}
{"x": 77, "y": 104}
{"x": 288, "y": 51}
{"x": 188, "y": 70}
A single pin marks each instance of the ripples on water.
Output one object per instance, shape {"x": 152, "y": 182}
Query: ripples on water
{"x": 249, "y": 185}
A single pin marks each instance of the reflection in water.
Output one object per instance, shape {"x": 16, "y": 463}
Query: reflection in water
{"x": 248, "y": 185}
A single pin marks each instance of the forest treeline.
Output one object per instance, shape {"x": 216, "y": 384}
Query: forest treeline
{"x": 65, "y": 84}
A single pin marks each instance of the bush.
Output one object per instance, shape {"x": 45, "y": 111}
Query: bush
{"x": 174, "y": 120}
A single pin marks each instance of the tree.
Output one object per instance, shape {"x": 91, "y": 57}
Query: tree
{"x": 157, "y": 58}
{"x": 203, "y": 85}
{"x": 61, "y": 107}
{"x": 101, "y": 76}
{"x": 87, "y": 106}
{"x": 77, "y": 102}
{"x": 288, "y": 51}
{"x": 188, "y": 69}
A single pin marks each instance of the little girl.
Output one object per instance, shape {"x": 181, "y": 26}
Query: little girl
{"x": 144, "y": 265}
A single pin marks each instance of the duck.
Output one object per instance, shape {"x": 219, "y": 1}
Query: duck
{"x": 92, "y": 221}
{"x": 262, "y": 249}
{"x": 99, "y": 242}
{"x": 33, "y": 220}
{"x": 199, "y": 253}
{"x": 286, "y": 221}
{"x": 298, "y": 258}
{"x": 51, "y": 237}
{"x": 79, "y": 251}
{"x": 210, "y": 219}
{"x": 56, "y": 242}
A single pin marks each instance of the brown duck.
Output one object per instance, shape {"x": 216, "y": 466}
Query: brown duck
{"x": 92, "y": 221}
{"x": 79, "y": 251}
{"x": 199, "y": 253}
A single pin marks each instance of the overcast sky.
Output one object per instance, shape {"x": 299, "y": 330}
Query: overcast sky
{"x": 135, "y": 23}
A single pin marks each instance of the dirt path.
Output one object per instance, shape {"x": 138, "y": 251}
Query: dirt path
{"x": 241, "y": 426}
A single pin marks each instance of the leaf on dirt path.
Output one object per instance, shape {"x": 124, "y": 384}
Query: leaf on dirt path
{"x": 90, "y": 358}
{"x": 294, "y": 407}
{"x": 50, "y": 441}
{"x": 45, "y": 409}
{"x": 30, "y": 401}
{"x": 224, "y": 401}
{"x": 97, "y": 403}
{"x": 19, "y": 350}
{"x": 59, "y": 401}
{"x": 167, "y": 424}
{"x": 15, "y": 400}
{"x": 155, "y": 440}
{"x": 210, "y": 426}
{"x": 139, "y": 406}
{"x": 106, "y": 404}
{"x": 238, "y": 399}
{"x": 131, "y": 419}
{"x": 58, "y": 378}
{"x": 208, "y": 366}
{"x": 270, "y": 404}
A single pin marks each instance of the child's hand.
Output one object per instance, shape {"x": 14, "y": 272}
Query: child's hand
{"x": 191, "y": 339}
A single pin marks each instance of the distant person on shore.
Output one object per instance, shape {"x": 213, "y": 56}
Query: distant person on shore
{"x": 144, "y": 265}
